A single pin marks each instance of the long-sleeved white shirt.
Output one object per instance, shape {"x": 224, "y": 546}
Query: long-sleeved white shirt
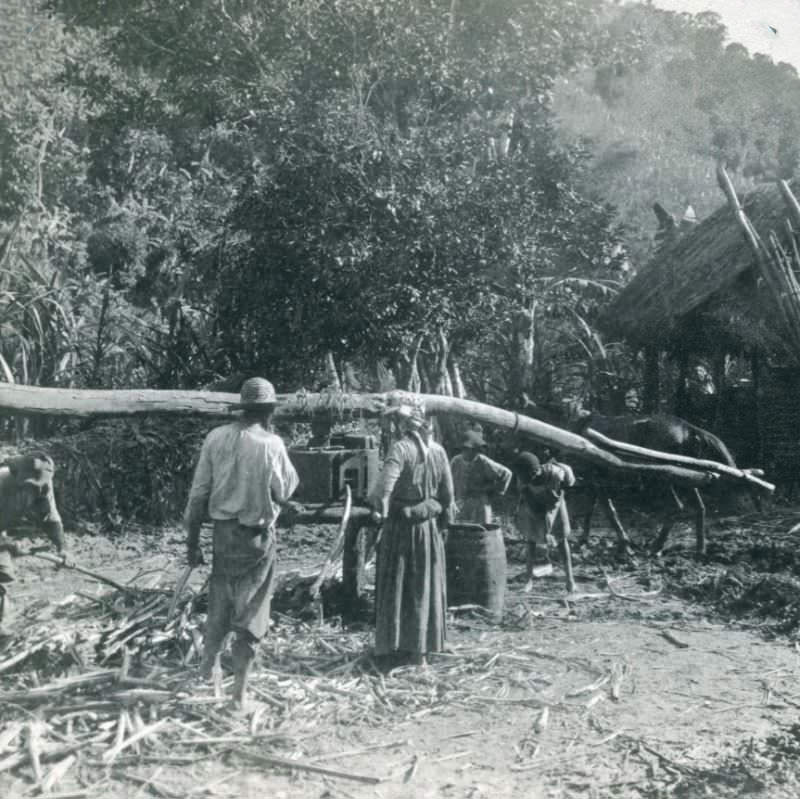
{"x": 243, "y": 473}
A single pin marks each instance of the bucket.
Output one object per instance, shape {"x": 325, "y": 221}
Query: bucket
{"x": 476, "y": 566}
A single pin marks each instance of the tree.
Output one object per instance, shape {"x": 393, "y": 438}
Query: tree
{"x": 267, "y": 182}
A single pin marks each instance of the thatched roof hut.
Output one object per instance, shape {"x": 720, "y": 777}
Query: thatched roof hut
{"x": 705, "y": 296}
{"x": 708, "y": 273}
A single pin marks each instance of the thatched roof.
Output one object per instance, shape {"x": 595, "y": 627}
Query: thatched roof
{"x": 683, "y": 275}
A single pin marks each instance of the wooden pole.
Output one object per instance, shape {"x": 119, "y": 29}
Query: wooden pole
{"x": 681, "y": 394}
{"x": 650, "y": 402}
{"x": 72, "y": 566}
{"x": 683, "y": 460}
{"x": 780, "y": 280}
{"x": 124, "y": 403}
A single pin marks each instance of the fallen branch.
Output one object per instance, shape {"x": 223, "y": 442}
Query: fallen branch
{"x": 643, "y": 597}
{"x": 34, "y": 750}
{"x": 74, "y": 567}
{"x": 366, "y": 749}
{"x": 587, "y": 689}
{"x": 299, "y": 765}
{"x": 110, "y": 754}
{"x": 673, "y": 640}
{"x": 57, "y": 773}
{"x": 665, "y": 761}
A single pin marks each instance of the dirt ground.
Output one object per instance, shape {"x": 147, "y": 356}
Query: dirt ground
{"x": 681, "y": 679}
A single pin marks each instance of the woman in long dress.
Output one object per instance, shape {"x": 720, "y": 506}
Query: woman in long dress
{"x": 413, "y": 499}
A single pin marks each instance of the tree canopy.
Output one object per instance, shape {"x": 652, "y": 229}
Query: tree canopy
{"x": 203, "y": 188}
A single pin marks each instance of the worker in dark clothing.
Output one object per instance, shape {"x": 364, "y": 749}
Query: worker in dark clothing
{"x": 542, "y": 515}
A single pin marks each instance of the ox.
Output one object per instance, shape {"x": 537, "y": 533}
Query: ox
{"x": 658, "y": 432}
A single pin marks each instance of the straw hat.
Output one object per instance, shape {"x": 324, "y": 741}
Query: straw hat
{"x": 256, "y": 394}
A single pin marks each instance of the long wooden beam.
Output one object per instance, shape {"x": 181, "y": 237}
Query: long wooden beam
{"x": 683, "y": 460}
{"x": 20, "y": 399}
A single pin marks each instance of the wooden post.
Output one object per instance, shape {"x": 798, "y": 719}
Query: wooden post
{"x": 681, "y": 395}
{"x": 652, "y": 387}
{"x": 718, "y": 367}
{"x": 758, "y": 390}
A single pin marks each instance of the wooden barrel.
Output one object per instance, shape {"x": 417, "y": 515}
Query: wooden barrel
{"x": 476, "y": 567}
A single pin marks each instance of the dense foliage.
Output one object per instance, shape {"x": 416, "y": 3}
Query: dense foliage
{"x": 196, "y": 189}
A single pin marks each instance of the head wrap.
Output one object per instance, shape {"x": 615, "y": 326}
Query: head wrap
{"x": 408, "y": 410}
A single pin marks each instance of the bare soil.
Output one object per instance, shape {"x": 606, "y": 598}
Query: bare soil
{"x": 688, "y": 692}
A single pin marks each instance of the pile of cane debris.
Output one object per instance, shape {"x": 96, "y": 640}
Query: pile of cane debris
{"x": 115, "y": 688}
{"x": 752, "y": 574}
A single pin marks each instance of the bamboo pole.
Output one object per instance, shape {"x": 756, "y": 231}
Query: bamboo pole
{"x": 791, "y": 201}
{"x": 769, "y": 263}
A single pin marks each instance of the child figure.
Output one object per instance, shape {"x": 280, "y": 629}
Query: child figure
{"x": 542, "y": 515}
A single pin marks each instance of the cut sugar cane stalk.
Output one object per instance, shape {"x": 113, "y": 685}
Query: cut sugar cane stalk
{"x": 336, "y": 549}
{"x": 181, "y": 584}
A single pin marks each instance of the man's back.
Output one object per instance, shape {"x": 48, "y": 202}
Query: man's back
{"x": 244, "y": 471}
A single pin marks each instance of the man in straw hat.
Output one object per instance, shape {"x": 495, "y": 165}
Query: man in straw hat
{"x": 413, "y": 499}
{"x": 242, "y": 478}
{"x": 475, "y": 478}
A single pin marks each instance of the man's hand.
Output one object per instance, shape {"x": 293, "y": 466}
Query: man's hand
{"x": 194, "y": 557}
{"x": 291, "y": 510}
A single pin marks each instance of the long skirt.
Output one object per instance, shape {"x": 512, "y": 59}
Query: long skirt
{"x": 410, "y": 600}
{"x": 242, "y": 579}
